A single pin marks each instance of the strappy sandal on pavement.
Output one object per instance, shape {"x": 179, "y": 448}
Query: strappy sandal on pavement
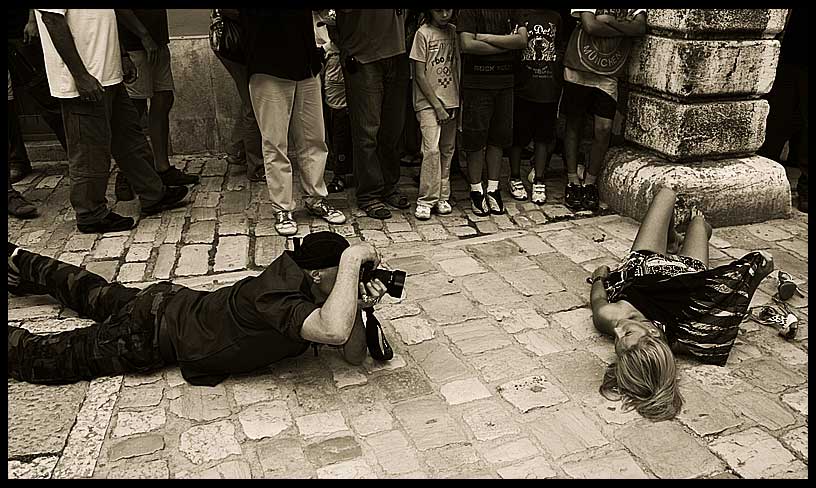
{"x": 377, "y": 210}
{"x": 786, "y": 287}
{"x": 285, "y": 224}
{"x": 784, "y": 320}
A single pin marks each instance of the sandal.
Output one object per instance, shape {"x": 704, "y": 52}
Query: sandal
{"x": 377, "y": 211}
{"x": 336, "y": 185}
{"x": 784, "y": 320}
{"x": 786, "y": 287}
{"x": 397, "y": 200}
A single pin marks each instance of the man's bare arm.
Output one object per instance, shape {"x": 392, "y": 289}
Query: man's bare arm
{"x": 630, "y": 28}
{"x": 134, "y": 25}
{"x": 469, "y": 45}
{"x": 595, "y": 27}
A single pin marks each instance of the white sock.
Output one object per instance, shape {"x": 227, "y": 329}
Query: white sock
{"x": 476, "y": 187}
{"x": 572, "y": 178}
{"x": 492, "y": 185}
{"x": 590, "y": 179}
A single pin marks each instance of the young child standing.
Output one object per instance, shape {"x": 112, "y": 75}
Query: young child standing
{"x": 597, "y": 52}
{"x": 435, "y": 54}
{"x": 535, "y": 103}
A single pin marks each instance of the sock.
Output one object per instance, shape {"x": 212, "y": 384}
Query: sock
{"x": 476, "y": 187}
{"x": 492, "y": 185}
{"x": 590, "y": 179}
{"x": 572, "y": 179}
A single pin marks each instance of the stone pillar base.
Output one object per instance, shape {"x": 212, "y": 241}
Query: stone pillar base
{"x": 729, "y": 191}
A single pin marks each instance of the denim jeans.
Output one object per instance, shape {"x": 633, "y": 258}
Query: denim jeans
{"x": 96, "y": 130}
{"x": 438, "y": 143}
{"x": 375, "y": 94}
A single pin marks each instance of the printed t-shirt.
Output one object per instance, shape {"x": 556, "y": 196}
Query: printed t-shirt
{"x": 536, "y": 79}
{"x": 439, "y": 50}
{"x": 492, "y": 71}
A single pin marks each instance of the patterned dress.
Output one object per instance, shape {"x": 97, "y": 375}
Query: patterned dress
{"x": 699, "y": 308}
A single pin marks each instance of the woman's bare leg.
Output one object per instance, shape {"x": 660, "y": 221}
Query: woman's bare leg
{"x": 695, "y": 244}
{"x": 654, "y": 230}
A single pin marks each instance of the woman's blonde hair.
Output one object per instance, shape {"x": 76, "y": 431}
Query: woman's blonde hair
{"x": 645, "y": 378}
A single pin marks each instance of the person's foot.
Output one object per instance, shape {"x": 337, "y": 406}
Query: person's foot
{"x": 397, "y": 200}
{"x": 336, "y": 185}
{"x": 122, "y": 189}
{"x": 18, "y": 171}
{"x": 176, "y": 177}
{"x": 494, "y": 202}
{"x": 478, "y": 204}
{"x": 423, "y": 212}
{"x": 328, "y": 213}
{"x": 591, "y": 199}
{"x": 113, "y": 222}
{"x": 517, "y": 189}
{"x": 443, "y": 207}
{"x": 539, "y": 193}
{"x": 239, "y": 159}
{"x": 285, "y": 224}
{"x": 574, "y": 196}
{"x": 19, "y": 207}
{"x": 173, "y": 196}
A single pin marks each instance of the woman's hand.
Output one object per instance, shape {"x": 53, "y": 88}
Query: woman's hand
{"x": 601, "y": 271}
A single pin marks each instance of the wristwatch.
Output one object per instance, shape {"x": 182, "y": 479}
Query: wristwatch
{"x": 596, "y": 279}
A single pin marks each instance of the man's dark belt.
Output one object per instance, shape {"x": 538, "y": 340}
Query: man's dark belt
{"x": 166, "y": 349}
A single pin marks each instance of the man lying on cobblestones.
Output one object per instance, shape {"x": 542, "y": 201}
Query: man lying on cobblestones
{"x": 305, "y": 296}
{"x": 657, "y": 304}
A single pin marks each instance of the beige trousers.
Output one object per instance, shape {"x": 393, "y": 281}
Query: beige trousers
{"x": 285, "y": 110}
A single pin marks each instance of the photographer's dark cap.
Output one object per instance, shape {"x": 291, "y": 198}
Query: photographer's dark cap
{"x": 319, "y": 250}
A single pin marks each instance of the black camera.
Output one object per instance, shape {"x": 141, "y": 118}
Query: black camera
{"x": 394, "y": 281}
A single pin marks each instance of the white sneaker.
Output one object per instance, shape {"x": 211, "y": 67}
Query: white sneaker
{"x": 443, "y": 207}
{"x": 285, "y": 224}
{"x": 423, "y": 212}
{"x": 539, "y": 193}
{"x": 517, "y": 190}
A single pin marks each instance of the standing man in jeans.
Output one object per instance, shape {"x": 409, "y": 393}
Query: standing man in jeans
{"x": 145, "y": 36}
{"x": 375, "y": 68}
{"x": 86, "y": 66}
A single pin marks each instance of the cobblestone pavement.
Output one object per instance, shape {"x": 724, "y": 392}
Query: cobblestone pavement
{"x": 496, "y": 367}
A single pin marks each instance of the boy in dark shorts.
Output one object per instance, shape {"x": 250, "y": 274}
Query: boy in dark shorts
{"x": 596, "y": 53}
{"x": 535, "y": 104}
{"x": 487, "y": 38}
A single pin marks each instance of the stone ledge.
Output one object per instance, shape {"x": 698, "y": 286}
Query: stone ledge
{"x": 698, "y": 22}
{"x": 704, "y": 68}
{"x": 688, "y": 131}
{"x": 729, "y": 191}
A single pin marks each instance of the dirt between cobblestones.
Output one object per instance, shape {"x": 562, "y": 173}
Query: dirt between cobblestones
{"x": 496, "y": 365}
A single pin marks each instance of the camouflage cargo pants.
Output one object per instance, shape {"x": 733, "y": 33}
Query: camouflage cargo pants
{"x": 124, "y": 338}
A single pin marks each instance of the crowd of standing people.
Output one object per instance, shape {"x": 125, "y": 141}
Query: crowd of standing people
{"x": 347, "y": 89}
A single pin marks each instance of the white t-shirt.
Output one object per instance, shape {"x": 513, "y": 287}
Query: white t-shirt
{"x": 97, "y": 42}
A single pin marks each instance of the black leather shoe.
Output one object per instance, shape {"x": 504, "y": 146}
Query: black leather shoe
{"x": 591, "y": 199}
{"x": 113, "y": 222}
{"x": 574, "y": 196}
{"x": 18, "y": 171}
{"x": 176, "y": 177}
{"x": 173, "y": 196}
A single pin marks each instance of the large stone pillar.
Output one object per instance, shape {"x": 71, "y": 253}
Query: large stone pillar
{"x": 694, "y": 117}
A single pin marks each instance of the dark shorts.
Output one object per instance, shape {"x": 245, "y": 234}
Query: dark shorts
{"x": 532, "y": 120}
{"x": 487, "y": 118}
{"x": 580, "y": 99}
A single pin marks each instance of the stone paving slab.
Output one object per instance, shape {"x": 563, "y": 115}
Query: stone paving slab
{"x": 496, "y": 368}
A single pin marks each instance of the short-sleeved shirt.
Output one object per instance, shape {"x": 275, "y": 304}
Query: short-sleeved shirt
{"x": 538, "y": 76}
{"x": 439, "y": 50}
{"x": 597, "y": 61}
{"x": 281, "y": 43}
{"x": 154, "y": 20}
{"x": 371, "y": 34}
{"x": 238, "y": 329}
{"x": 491, "y": 71}
{"x": 97, "y": 41}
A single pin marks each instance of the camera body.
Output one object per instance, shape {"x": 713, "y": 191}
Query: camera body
{"x": 394, "y": 281}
